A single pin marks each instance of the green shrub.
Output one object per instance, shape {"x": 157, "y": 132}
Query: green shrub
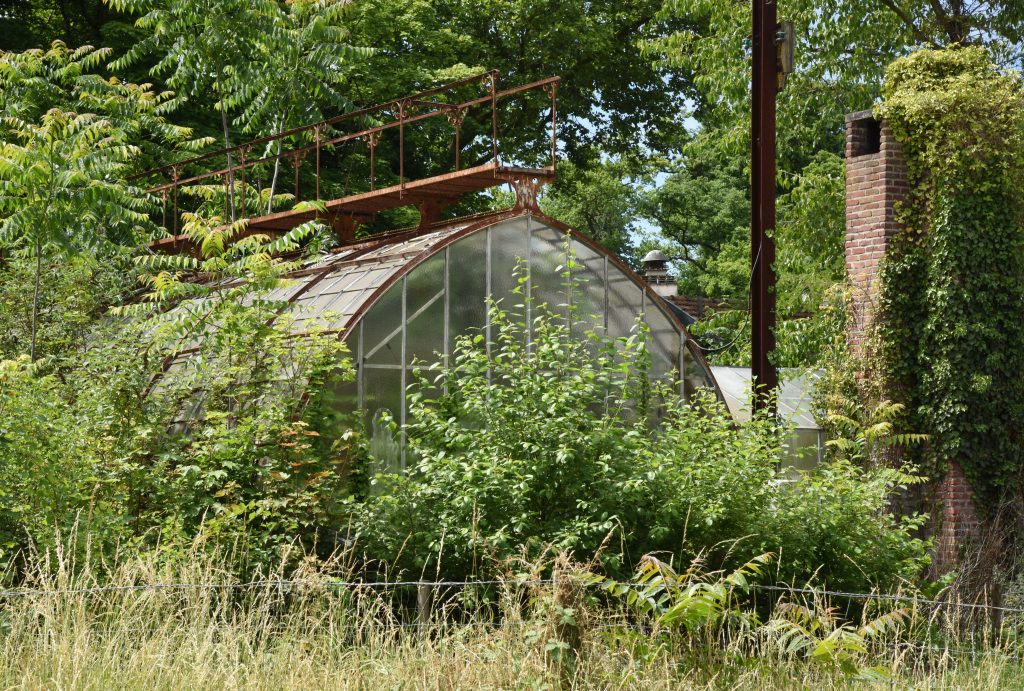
{"x": 546, "y": 444}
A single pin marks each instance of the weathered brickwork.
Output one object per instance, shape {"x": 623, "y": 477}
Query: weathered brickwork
{"x": 876, "y": 182}
{"x": 958, "y": 524}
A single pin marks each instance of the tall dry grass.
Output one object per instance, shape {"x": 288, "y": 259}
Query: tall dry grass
{"x": 130, "y": 628}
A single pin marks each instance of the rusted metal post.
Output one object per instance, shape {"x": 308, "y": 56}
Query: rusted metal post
{"x": 318, "y": 162}
{"x": 458, "y": 138}
{"x": 296, "y": 162}
{"x": 174, "y": 216}
{"x": 494, "y": 117}
{"x": 401, "y": 147}
{"x": 372, "y": 136}
{"x": 554, "y": 125}
{"x": 762, "y": 205}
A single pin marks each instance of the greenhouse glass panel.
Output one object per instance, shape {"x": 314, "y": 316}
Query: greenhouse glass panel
{"x": 547, "y": 263}
{"x": 383, "y": 320}
{"x": 624, "y": 303}
{"x": 591, "y": 294}
{"x": 509, "y": 257}
{"x": 467, "y": 277}
{"x": 406, "y": 297}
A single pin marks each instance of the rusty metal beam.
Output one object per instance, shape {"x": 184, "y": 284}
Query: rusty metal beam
{"x": 330, "y": 121}
{"x": 288, "y": 153}
{"x": 447, "y": 186}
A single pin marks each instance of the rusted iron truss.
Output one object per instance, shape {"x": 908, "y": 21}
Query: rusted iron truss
{"x": 251, "y": 176}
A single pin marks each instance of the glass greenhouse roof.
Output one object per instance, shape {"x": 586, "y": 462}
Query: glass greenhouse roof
{"x": 406, "y": 297}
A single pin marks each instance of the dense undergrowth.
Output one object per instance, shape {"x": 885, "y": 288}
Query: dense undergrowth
{"x": 308, "y": 627}
{"x": 540, "y": 444}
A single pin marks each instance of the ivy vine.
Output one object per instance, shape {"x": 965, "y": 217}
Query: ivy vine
{"x": 950, "y": 325}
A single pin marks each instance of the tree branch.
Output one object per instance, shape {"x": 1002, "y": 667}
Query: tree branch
{"x": 907, "y": 20}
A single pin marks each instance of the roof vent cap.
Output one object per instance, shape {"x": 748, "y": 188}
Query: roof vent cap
{"x": 655, "y": 256}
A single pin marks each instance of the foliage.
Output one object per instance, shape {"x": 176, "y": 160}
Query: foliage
{"x": 710, "y": 222}
{"x": 69, "y": 139}
{"x": 301, "y": 627}
{"x": 693, "y": 601}
{"x": 69, "y": 79}
{"x": 705, "y": 214}
{"x": 550, "y": 447}
{"x": 593, "y": 45}
{"x": 263, "y": 455}
{"x": 841, "y": 50}
{"x": 59, "y": 190}
{"x": 75, "y": 292}
{"x": 703, "y": 608}
{"x": 602, "y": 201}
{"x": 43, "y": 486}
{"x": 820, "y": 636}
{"x": 206, "y": 417}
{"x": 951, "y": 344}
{"x": 860, "y": 442}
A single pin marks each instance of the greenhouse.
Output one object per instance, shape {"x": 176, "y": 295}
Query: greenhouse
{"x": 405, "y": 297}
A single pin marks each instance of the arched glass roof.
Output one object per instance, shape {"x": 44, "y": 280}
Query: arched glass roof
{"x": 407, "y": 297}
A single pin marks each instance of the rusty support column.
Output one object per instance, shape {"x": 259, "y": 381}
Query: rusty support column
{"x": 494, "y": 117}
{"x": 344, "y": 226}
{"x": 554, "y": 123}
{"x": 430, "y": 210}
{"x": 401, "y": 148}
{"x": 242, "y": 155}
{"x": 762, "y": 205}
{"x": 317, "y": 130}
{"x": 372, "y": 138}
{"x": 455, "y": 118}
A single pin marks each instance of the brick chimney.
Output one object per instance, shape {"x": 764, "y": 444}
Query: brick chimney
{"x": 876, "y": 181}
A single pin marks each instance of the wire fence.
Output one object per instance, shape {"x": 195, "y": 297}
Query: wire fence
{"x": 500, "y": 583}
{"x": 435, "y": 614}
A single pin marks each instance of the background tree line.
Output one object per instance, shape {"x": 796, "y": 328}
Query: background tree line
{"x": 655, "y": 104}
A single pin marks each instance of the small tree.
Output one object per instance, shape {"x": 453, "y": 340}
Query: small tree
{"x": 60, "y": 191}
{"x": 258, "y": 58}
{"x": 303, "y": 72}
{"x": 69, "y": 136}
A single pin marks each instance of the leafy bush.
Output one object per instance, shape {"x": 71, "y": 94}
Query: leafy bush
{"x": 545, "y": 443}
{"x": 236, "y": 440}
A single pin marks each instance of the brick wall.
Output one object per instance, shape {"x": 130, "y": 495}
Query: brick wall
{"x": 876, "y": 181}
{"x": 957, "y": 524}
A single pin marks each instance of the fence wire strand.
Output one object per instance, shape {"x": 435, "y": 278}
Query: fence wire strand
{"x": 511, "y": 583}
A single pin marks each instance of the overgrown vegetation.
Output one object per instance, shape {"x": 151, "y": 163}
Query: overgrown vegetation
{"x": 161, "y": 407}
{"x": 550, "y": 444}
{"x": 950, "y": 342}
{"x": 695, "y": 629}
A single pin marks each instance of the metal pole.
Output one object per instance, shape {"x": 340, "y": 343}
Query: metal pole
{"x": 494, "y": 117}
{"x": 401, "y": 148}
{"x": 762, "y": 205}
{"x": 372, "y": 137}
{"x": 318, "y": 162}
{"x": 554, "y": 126}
